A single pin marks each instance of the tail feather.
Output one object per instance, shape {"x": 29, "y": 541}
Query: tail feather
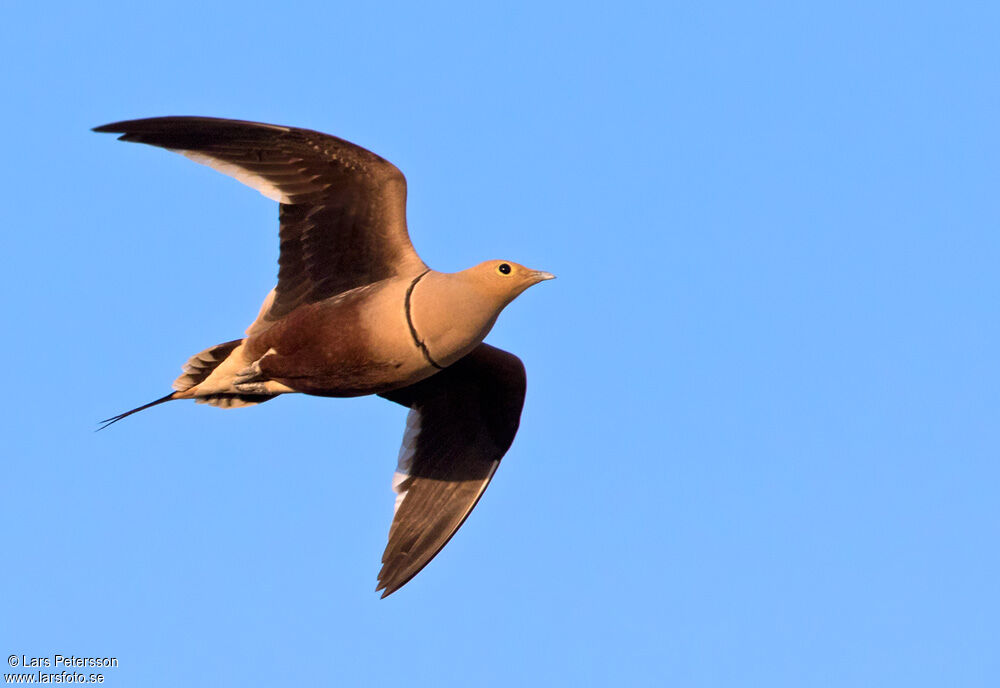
{"x": 226, "y": 400}
{"x": 202, "y": 364}
{"x": 114, "y": 419}
{"x": 217, "y": 391}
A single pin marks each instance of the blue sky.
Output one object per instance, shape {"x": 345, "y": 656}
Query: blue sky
{"x": 760, "y": 443}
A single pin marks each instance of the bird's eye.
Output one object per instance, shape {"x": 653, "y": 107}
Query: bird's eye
{"x": 503, "y": 269}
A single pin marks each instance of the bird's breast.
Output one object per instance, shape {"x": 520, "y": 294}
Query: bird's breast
{"x": 448, "y": 317}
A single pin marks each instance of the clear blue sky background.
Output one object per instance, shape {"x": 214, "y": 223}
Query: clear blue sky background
{"x": 760, "y": 444}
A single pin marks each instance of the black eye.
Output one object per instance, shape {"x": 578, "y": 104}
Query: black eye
{"x": 504, "y": 269}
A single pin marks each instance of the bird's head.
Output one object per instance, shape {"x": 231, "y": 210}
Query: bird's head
{"x": 504, "y": 280}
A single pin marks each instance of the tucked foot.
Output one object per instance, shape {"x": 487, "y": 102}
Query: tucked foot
{"x": 251, "y": 387}
{"x": 250, "y": 380}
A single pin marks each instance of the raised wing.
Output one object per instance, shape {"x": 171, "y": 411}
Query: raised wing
{"x": 461, "y": 423}
{"x": 343, "y": 208}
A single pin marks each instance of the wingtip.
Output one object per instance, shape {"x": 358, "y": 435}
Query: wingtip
{"x": 386, "y": 587}
{"x": 174, "y": 123}
{"x": 128, "y": 127}
{"x": 118, "y": 128}
{"x": 113, "y": 128}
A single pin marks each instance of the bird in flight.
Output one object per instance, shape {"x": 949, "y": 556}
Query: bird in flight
{"x": 357, "y": 312}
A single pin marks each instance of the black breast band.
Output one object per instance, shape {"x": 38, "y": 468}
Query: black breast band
{"x": 409, "y": 321}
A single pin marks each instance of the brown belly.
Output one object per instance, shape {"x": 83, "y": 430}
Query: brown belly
{"x": 324, "y": 349}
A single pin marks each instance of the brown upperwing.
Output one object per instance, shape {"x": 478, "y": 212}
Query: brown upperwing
{"x": 343, "y": 208}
